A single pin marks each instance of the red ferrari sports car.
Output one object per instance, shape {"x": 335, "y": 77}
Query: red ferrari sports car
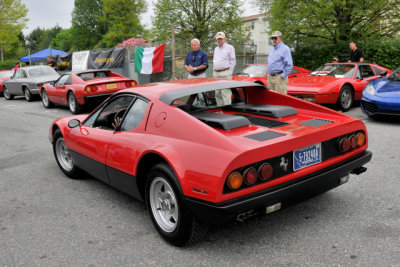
{"x": 76, "y": 89}
{"x": 4, "y": 75}
{"x": 258, "y": 73}
{"x": 196, "y": 162}
{"x": 336, "y": 83}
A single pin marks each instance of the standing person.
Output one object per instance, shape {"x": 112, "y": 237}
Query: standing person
{"x": 196, "y": 61}
{"x": 280, "y": 64}
{"x": 224, "y": 62}
{"x": 51, "y": 62}
{"x": 16, "y": 66}
{"x": 355, "y": 54}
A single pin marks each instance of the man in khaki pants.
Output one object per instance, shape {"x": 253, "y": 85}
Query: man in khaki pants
{"x": 280, "y": 64}
{"x": 224, "y": 62}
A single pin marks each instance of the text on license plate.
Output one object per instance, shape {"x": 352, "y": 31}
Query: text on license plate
{"x": 306, "y": 156}
{"x": 110, "y": 86}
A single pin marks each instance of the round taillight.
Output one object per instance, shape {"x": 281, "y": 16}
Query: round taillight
{"x": 360, "y": 138}
{"x": 131, "y": 84}
{"x": 353, "y": 141}
{"x": 266, "y": 171}
{"x": 235, "y": 181}
{"x": 250, "y": 176}
{"x": 88, "y": 89}
{"x": 94, "y": 88}
{"x": 344, "y": 144}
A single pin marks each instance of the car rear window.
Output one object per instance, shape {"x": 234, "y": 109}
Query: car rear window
{"x": 93, "y": 75}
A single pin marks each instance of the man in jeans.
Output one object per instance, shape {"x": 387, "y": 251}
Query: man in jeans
{"x": 196, "y": 61}
{"x": 224, "y": 62}
{"x": 280, "y": 64}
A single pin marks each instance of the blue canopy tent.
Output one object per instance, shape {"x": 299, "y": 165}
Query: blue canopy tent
{"x": 41, "y": 55}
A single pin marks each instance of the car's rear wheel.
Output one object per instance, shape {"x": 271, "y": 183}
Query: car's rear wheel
{"x": 45, "y": 100}
{"x": 63, "y": 156}
{"x": 28, "y": 94}
{"x": 73, "y": 104}
{"x": 345, "y": 100}
{"x": 7, "y": 94}
{"x": 168, "y": 212}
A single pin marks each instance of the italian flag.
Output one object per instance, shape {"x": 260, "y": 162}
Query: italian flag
{"x": 149, "y": 60}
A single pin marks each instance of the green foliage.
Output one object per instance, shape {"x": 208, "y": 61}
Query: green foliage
{"x": 88, "y": 27}
{"x": 7, "y": 64}
{"x": 333, "y": 21}
{"x": 64, "y": 40}
{"x": 123, "y": 20}
{"x": 200, "y": 19}
{"x": 12, "y": 21}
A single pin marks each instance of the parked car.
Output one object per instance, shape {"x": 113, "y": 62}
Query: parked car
{"x": 258, "y": 73}
{"x": 382, "y": 96}
{"x": 27, "y": 81}
{"x": 77, "y": 89}
{"x": 195, "y": 163}
{"x": 336, "y": 83}
{"x": 4, "y": 75}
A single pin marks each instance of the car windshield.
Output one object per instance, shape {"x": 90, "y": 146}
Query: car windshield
{"x": 43, "y": 71}
{"x": 395, "y": 76}
{"x": 93, "y": 75}
{"x": 255, "y": 70}
{"x": 335, "y": 70}
{"x": 6, "y": 74}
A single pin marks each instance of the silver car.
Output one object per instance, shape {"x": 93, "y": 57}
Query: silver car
{"x": 27, "y": 81}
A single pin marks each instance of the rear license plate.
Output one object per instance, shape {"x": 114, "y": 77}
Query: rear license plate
{"x": 110, "y": 86}
{"x": 306, "y": 156}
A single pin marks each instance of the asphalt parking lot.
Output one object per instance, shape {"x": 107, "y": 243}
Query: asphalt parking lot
{"x": 47, "y": 219}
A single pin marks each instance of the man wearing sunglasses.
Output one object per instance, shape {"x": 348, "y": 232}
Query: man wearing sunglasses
{"x": 280, "y": 64}
{"x": 196, "y": 61}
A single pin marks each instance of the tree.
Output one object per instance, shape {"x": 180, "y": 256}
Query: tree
{"x": 40, "y": 39}
{"x": 332, "y": 21}
{"x": 123, "y": 20}
{"x": 12, "y": 21}
{"x": 64, "y": 40}
{"x": 200, "y": 19}
{"x": 87, "y": 24}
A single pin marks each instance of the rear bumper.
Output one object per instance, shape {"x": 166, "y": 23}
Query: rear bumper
{"x": 285, "y": 194}
{"x": 96, "y": 99}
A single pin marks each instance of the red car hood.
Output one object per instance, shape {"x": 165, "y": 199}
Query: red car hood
{"x": 310, "y": 83}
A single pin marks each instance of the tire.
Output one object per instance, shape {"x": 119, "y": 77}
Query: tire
{"x": 45, "y": 100}
{"x": 172, "y": 219}
{"x": 346, "y": 98}
{"x": 28, "y": 95}
{"x": 73, "y": 104}
{"x": 7, "y": 95}
{"x": 63, "y": 157}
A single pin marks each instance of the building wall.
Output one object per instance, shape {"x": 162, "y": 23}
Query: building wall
{"x": 258, "y": 27}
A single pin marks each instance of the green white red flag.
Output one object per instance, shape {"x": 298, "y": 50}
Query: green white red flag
{"x": 149, "y": 60}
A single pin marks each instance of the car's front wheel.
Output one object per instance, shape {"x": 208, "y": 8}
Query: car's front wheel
{"x": 28, "y": 95}
{"x": 45, "y": 100}
{"x": 169, "y": 214}
{"x": 7, "y": 94}
{"x": 345, "y": 100}
{"x": 63, "y": 156}
{"x": 73, "y": 104}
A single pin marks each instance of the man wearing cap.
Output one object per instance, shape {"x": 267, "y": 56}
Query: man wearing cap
{"x": 196, "y": 61}
{"x": 224, "y": 62}
{"x": 280, "y": 64}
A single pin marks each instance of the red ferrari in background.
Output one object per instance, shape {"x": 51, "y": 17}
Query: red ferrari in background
{"x": 4, "y": 75}
{"x": 336, "y": 83}
{"x": 76, "y": 89}
{"x": 258, "y": 73}
{"x": 197, "y": 163}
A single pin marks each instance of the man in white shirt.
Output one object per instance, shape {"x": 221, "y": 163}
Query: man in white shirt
{"x": 224, "y": 62}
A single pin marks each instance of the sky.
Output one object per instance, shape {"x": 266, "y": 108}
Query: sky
{"x": 49, "y": 13}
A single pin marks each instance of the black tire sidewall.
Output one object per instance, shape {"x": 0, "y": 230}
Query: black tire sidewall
{"x": 77, "y": 106}
{"x": 27, "y": 92}
{"x": 345, "y": 88}
{"x": 72, "y": 173}
{"x": 7, "y": 96}
{"x": 181, "y": 235}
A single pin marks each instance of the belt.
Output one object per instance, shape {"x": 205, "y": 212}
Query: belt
{"x": 197, "y": 74}
{"x": 276, "y": 73}
{"x": 221, "y": 70}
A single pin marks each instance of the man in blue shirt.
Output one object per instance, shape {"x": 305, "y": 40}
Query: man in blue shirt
{"x": 196, "y": 61}
{"x": 280, "y": 64}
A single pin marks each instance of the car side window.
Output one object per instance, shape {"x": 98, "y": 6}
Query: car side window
{"x": 18, "y": 74}
{"x": 111, "y": 114}
{"x": 378, "y": 71}
{"x": 63, "y": 80}
{"x": 135, "y": 115}
{"x": 366, "y": 71}
{"x": 294, "y": 71}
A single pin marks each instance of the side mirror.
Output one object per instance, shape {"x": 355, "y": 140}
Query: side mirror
{"x": 52, "y": 83}
{"x": 383, "y": 74}
{"x": 74, "y": 123}
{"x": 359, "y": 78}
